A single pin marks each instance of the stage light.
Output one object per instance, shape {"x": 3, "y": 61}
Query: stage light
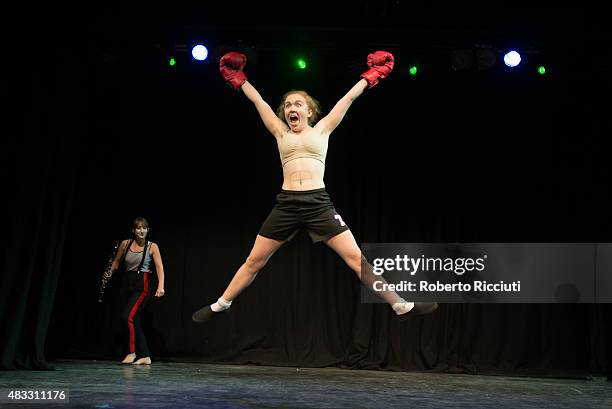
{"x": 199, "y": 52}
{"x": 512, "y": 59}
{"x": 541, "y": 70}
{"x": 172, "y": 62}
{"x": 413, "y": 70}
{"x": 301, "y": 63}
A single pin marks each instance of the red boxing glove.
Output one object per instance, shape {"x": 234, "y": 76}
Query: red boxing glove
{"x": 230, "y": 67}
{"x": 381, "y": 65}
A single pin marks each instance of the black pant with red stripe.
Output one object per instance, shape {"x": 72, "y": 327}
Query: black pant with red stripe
{"x": 136, "y": 292}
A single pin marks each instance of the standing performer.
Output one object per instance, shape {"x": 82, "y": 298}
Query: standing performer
{"x": 303, "y": 200}
{"x": 134, "y": 256}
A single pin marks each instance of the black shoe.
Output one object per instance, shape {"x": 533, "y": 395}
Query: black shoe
{"x": 419, "y": 309}
{"x": 206, "y": 314}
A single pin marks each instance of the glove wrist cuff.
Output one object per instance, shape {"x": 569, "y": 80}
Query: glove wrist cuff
{"x": 371, "y": 76}
{"x": 237, "y": 80}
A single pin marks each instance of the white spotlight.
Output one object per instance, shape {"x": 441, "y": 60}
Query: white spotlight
{"x": 199, "y": 52}
{"x": 512, "y": 59}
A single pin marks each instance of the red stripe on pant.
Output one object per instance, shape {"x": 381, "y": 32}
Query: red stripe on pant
{"x": 145, "y": 291}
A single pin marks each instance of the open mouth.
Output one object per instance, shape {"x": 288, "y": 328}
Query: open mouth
{"x": 294, "y": 118}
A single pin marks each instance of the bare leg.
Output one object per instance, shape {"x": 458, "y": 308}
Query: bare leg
{"x": 259, "y": 256}
{"x": 345, "y": 245}
{"x": 262, "y": 250}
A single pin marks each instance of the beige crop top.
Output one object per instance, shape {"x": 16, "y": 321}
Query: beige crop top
{"x": 309, "y": 145}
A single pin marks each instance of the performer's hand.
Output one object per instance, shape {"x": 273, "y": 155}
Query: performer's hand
{"x": 231, "y": 66}
{"x": 160, "y": 292}
{"x": 107, "y": 275}
{"x": 381, "y": 65}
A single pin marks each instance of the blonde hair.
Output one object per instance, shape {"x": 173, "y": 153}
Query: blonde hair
{"x": 312, "y": 103}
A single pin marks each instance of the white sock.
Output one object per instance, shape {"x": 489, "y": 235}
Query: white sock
{"x": 220, "y": 305}
{"x": 402, "y": 307}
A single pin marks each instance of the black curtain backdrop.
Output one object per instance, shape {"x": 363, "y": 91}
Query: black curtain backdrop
{"x": 41, "y": 158}
{"x": 107, "y": 131}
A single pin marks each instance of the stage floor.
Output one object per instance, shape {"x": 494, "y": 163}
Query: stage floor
{"x": 104, "y": 384}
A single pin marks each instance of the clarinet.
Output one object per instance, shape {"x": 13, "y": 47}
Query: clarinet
{"x": 109, "y": 264}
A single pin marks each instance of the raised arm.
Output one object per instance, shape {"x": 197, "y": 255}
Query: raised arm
{"x": 231, "y": 67}
{"x": 381, "y": 64}
{"x": 328, "y": 123}
{"x": 273, "y": 123}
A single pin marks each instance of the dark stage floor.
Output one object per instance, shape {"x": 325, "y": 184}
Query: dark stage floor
{"x": 103, "y": 384}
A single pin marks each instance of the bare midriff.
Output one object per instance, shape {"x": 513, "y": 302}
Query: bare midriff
{"x": 303, "y": 174}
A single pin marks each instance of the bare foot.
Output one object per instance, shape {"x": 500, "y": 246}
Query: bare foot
{"x": 129, "y": 358}
{"x": 142, "y": 361}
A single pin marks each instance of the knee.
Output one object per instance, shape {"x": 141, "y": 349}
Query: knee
{"x": 254, "y": 263}
{"x": 128, "y": 315}
{"x": 126, "y": 318}
{"x": 355, "y": 258}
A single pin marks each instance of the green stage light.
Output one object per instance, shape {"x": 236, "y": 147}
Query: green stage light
{"x": 172, "y": 62}
{"x": 413, "y": 70}
{"x": 301, "y": 63}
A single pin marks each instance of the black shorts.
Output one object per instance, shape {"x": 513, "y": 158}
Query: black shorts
{"x": 309, "y": 209}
